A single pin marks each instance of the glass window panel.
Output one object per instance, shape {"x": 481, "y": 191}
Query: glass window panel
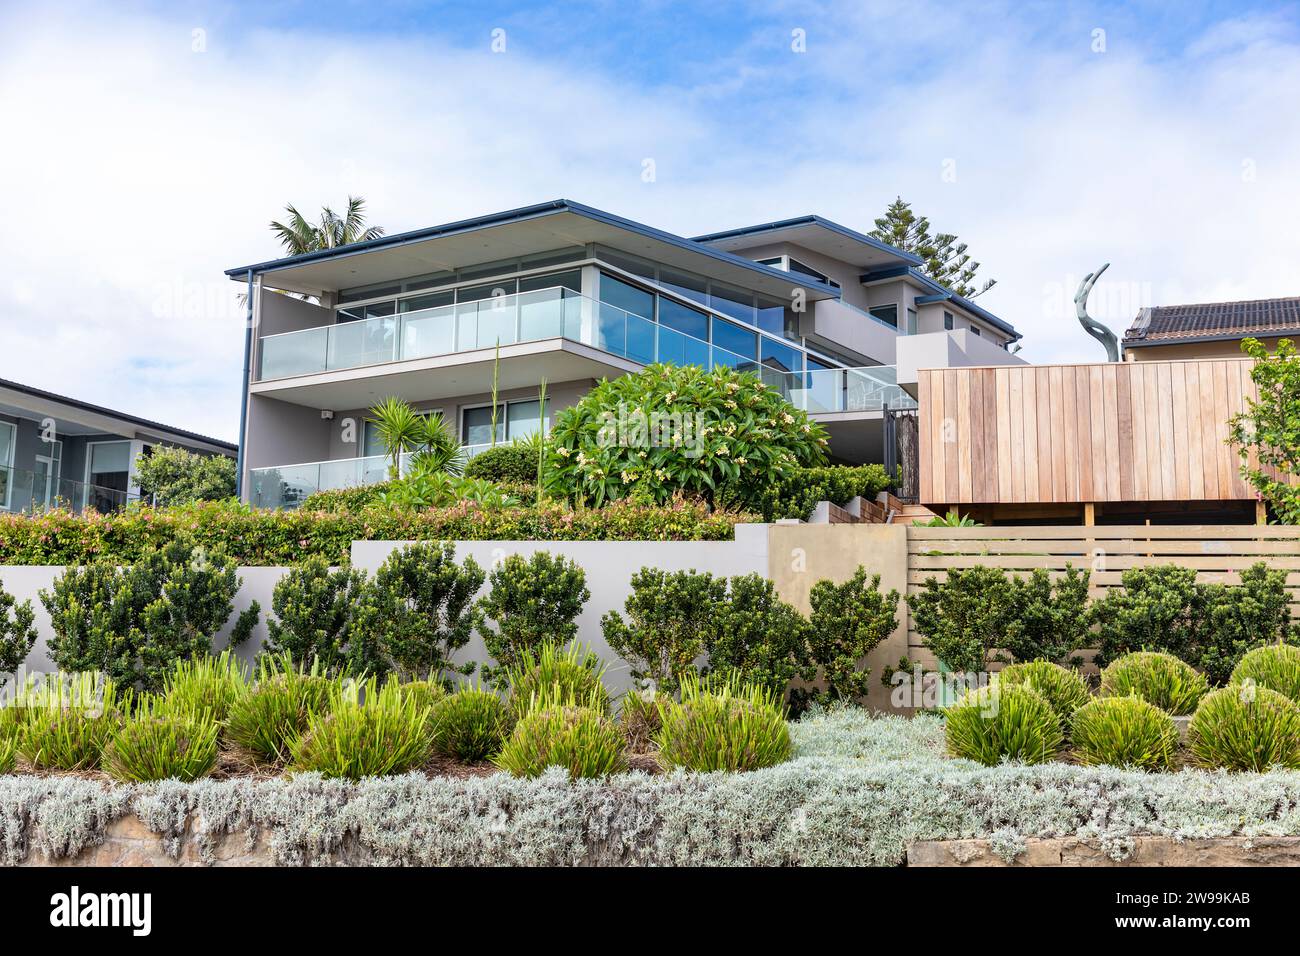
{"x": 886, "y": 313}
{"x": 431, "y": 301}
{"x": 640, "y": 340}
{"x": 974, "y": 331}
{"x": 109, "y": 458}
{"x": 350, "y": 315}
{"x": 430, "y": 281}
{"x": 778, "y": 356}
{"x": 503, "y": 267}
{"x": 477, "y": 293}
{"x": 797, "y": 266}
{"x": 368, "y": 292}
{"x": 775, "y": 318}
{"x": 682, "y": 318}
{"x": 627, "y": 297}
{"x": 683, "y": 283}
{"x": 380, "y": 309}
{"x": 539, "y": 260}
{"x": 911, "y": 321}
{"x": 947, "y": 321}
{"x": 7, "y": 431}
{"x": 476, "y": 425}
{"x": 732, "y": 302}
{"x": 678, "y": 349}
{"x": 565, "y": 280}
{"x": 429, "y": 332}
{"x": 523, "y": 418}
{"x": 372, "y": 444}
{"x": 735, "y": 339}
{"x": 637, "y": 267}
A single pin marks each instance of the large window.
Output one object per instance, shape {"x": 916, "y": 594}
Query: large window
{"x": 514, "y": 420}
{"x": 108, "y": 474}
{"x": 735, "y": 339}
{"x": 8, "y": 439}
{"x": 886, "y": 313}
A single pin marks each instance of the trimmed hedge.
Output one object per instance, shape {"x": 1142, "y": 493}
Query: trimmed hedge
{"x": 255, "y": 537}
{"x": 514, "y": 462}
{"x": 796, "y": 495}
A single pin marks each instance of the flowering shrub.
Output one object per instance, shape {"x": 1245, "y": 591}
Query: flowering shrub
{"x": 253, "y": 537}
{"x": 722, "y": 435}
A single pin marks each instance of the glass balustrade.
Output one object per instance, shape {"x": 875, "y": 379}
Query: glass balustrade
{"x": 27, "y": 491}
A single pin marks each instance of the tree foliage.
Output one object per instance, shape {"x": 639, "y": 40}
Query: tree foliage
{"x": 331, "y": 230}
{"x": 848, "y": 621}
{"x": 532, "y": 601}
{"x": 1269, "y": 429}
{"x": 175, "y": 476}
{"x": 945, "y": 259}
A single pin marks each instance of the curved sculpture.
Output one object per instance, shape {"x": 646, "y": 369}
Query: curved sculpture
{"x": 1090, "y": 325}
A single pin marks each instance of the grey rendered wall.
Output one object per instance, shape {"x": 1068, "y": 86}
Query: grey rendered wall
{"x": 282, "y": 433}
{"x": 609, "y": 566}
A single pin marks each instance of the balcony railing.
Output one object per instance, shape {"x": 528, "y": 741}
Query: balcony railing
{"x": 822, "y": 391}
{"x": 28, "y": 491}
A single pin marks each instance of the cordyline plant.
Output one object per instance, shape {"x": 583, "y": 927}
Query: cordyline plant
{"x": 721, "y": 434}
{"x": 134, "y": 623}
{"x": 1269, "y": 429}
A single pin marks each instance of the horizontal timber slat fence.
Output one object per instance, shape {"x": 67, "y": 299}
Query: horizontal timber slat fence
{"x": 1218, "y": 553}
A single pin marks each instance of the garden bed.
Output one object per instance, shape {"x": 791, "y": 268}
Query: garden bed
{"x": 858, "y": 791}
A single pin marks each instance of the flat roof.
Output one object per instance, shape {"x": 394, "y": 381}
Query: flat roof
{"x": 818, "y": 234}
{"x": 554, "y": 225}
{"x": 6, "y": 385}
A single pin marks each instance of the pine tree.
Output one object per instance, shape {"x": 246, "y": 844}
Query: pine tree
{"x": 945, "y": 259}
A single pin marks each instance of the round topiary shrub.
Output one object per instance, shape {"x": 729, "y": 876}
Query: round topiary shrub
{"x": 154, "y": 746}
{"x": 515, "y": 462}
{"x": 1124, "y": 732}
{"x": 1064, "y": 689}
{"x": 1161, "y": 679}
{"x": 1245, "y": 727}
{"x": 995, "y": 723}
{"x": 1276, "y": 667}
{"x": 470, "y": 724}
{"x": 722, "y": 725}
{"x": 555, "y": 673}
{"x": 375, "y": 733}
{"x": 582, "y": 740}
{"x": 682, "y": 429}
{"x": 268, "y": 719}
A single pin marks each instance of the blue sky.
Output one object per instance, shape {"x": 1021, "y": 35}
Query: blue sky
{"x": 1166, "y": 143}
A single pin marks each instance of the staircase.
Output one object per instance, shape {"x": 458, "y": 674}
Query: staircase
{"x": 903, "y": 512}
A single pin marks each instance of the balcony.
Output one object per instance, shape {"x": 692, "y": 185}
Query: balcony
{"x": 28, "y": 491}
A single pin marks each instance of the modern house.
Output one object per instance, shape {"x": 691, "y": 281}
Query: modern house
{"x": 1209, "y": 329}
{"x": 836, "y": 320}
{"x": 57, "y": 450}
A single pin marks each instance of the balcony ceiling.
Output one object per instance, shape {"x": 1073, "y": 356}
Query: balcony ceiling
{"x": 459, "y": 375}
{"x": 815, "y": 234}
{"x": 537, "y": 229}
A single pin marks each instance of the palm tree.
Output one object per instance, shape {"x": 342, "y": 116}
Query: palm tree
{"x": 333, "y": 230}
{"x": 402, "y": 429}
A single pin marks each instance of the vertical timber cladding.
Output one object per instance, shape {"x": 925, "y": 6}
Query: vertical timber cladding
{"x": 1128, "y": 431}
{"x": 800, "y": 555}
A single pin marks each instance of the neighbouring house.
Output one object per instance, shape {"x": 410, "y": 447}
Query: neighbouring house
{"x": 58, "y": 450}
{"x": 1209, "y": 329}
{"x": 838, "y": 321}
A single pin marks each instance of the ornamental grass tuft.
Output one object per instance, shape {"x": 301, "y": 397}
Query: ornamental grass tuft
{"x": 1161, "y": 679}
{"x": 557, "y": 731}
{"x": 551, "y": 671}
{"x": 162, "y": 744}
{"x": 722, "y": 724}
{"x": 1124, "y": 732}
{"x": 1064, "y": 689}
{"x": 368, "y": 732}
{"x": 1245, "y": 727}
{"x": 993, "y": 724}
{"x": 1276, "y": 667}
{"x": 470, "y": 725}
{"x": 69, "y": 721}
{"x": 267, "y": 720}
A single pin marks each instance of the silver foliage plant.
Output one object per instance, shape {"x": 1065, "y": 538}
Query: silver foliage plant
{"x": 857, "y": 792}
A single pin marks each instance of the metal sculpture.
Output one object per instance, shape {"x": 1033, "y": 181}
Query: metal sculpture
{"x": 1090, "y": 325}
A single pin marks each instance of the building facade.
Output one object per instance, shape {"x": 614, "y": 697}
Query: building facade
{"x": 56, "y": 450}
{"x": 836, "y": 320}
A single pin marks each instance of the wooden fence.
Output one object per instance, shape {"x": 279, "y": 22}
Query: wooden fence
{"x": 1218, "y": 553}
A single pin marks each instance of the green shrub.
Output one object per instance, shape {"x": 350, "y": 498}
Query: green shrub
{"x": 1158, "y": 608}
{"x": 722, "y": 725}
{"x": 515, "y": 462}
{"x": 425, "y": 693}
{"x": 757, "y": 638}
{"x": 345, "y": 500}
{"x": 669, "y": 613}
{"x": 71, "y": 726}
{"x": 425, "y": 601}
{"x": 531, "y": 600}
{"x": 1255, "y": 613}
{"x": 154, "y": 745}
{"x": 673, "y": 428}
{"x": 177, "y": 476}
{"x": 848, "y": 622}
{"x": 1161, "y": 679}
{"x": 638, "y": 717}
{"x": 555, "y": 673}
{"x": 437, "y": 489}
{"x": 8, "y": 751}
{"x": 1124, "y": 732}
{"x": 796, "y": 493}
{"x": 557, "y": 732}
{"x": 470, "y": 724}
{"x": 982, "y": 614}
{"x": 134, "y": 623}
{"x": 13, "y": 718}
{"x": 327, "y": 615}
{"x": 17, "y": 633}
{"x": 205, "y": 685}
{"x": 1064, "y": 689}
{"x": 253, "y": 537}
{"x": 992, "y": 724}
{"x": 373, "y": 733}
{"x": 1245, "y": 727}
{"x": 266, "y": 721}
{"x": 1276, "y": 667}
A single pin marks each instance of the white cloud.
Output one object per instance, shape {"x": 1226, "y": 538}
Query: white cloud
{"x": 139, "y": 170}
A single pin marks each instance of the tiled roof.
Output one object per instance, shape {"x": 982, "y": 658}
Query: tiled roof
{"x": 1214, "y": 320}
